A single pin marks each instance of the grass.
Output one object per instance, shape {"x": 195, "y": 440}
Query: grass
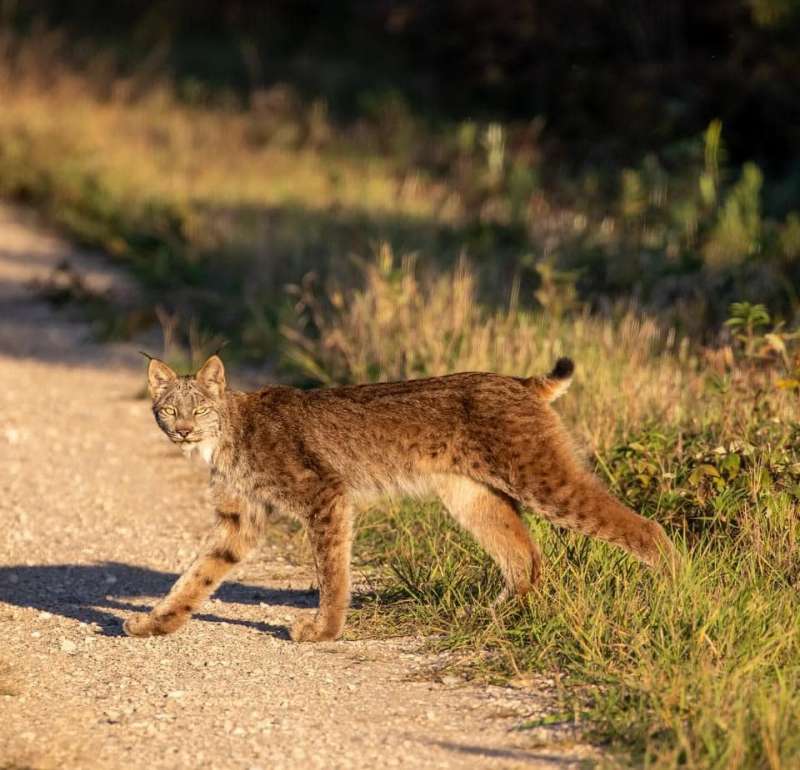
{"x": 702, "y": 672}
{"x": 204, "y": 204}
{"x": 699, "y": 672}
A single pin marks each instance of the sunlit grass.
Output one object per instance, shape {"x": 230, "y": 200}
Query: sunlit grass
{"x": 702, "y": 671}
{"x": 155, "y": 147}
{"x": 699, "y": 672}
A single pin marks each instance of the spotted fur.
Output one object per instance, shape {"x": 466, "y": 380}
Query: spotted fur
{"x": 487, "y": 445}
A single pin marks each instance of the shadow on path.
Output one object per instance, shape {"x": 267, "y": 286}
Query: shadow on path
{"x": 519, "y": 756}
{"x": 85, "y": 592}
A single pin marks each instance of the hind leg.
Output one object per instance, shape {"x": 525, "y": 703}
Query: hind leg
{"x": 571, "y": 497}
{"x": 492, "y": 518}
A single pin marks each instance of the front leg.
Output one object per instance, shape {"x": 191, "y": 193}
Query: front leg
{"x": 330, "y": 528}
{"x": 228, "y": 543}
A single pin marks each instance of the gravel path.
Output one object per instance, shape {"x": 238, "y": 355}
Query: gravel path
{"x": 99, "y": 514}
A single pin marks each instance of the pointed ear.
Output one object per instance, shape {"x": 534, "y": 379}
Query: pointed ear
{"x": 159, "y": 376}
{"x": 212, "y": 376}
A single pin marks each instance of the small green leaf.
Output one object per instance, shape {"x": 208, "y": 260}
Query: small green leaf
{"x": 731, "y": 465}
{"x": 701, "y": 471}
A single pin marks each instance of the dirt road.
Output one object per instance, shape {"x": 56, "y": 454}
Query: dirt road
{"x": 98, "y": 514}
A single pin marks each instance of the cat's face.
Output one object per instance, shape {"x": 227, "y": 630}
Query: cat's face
{"x": 186, "y": 408}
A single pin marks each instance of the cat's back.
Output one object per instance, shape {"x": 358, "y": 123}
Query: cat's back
{"x": 445, "y": 404}
{"x": 361, "y": 433}
{"x": 448, "y": 406}
{"x": 445, "y": 387}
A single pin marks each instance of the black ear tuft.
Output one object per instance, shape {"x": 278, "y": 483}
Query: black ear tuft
{"x": 563, "y": 369}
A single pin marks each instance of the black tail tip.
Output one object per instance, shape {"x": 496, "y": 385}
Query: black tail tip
{"x": 563, "y": 369}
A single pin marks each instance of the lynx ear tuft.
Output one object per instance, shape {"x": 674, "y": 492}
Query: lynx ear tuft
{"x": 212, "y": 376}
{"x": 159, "y": 377}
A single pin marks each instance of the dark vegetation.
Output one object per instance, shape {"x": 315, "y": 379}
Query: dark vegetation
{"x": 612, "y": 81}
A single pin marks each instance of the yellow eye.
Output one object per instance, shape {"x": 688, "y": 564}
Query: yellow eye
{"x": 168, "y": 410}
{"x": 202, "y": 410}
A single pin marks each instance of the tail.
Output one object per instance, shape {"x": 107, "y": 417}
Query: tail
{"x": 550, "y": 386}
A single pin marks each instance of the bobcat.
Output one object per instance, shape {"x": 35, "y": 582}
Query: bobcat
{"x": 486, "y": 444}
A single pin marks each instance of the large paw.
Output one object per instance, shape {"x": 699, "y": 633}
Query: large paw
{"x": 142, "y": 624}
{"x": 150, "y": 624}
{"x": 307, "y": 629}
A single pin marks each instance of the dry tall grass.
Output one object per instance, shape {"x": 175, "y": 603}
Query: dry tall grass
{"x": 405, "y": 322}
{"x": 146, "y": 141}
